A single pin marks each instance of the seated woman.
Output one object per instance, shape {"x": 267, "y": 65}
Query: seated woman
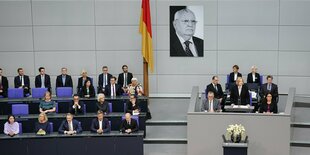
{"x": 81, "y": 80}
{"x": 88, "y": 90}
{"x": 11, "y": 127}
{"x": 253, "y": 77}
{"x": 47, "y": 105}
{"x": 135, "y": 88}
{"x": 268, "y": 105}
{"x": 102, "y": 104}
{"x": 235, "y": 74}
{"x": 132, "y": 105}
{"x": 239, "y": 94}
{"x": 42, "y": 127}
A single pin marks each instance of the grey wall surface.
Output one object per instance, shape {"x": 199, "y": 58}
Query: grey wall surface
{"x": 87, "y": 34}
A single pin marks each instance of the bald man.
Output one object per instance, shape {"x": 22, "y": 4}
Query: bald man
{"x": 129, "y": 125}
{"x": 183, "y": 43}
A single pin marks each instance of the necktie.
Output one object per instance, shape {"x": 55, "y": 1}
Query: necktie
{"x": 125, "y": 80}
{"x": 104, "y": 80}
{"x": 187, "y": 50}
{"x": 211, "y": 106}
{"x": 269, "y": 87}
{"x": 113, "y": 90}
{"x": 70, "y": 126}
{"x": 64, "y": 80}
{"x": 22, "y": 80}
{"x": 42, "y": 81}
{"x": 215, "y": 87}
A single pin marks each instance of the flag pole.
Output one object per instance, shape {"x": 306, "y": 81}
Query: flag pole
{"x": 145, "y": 78}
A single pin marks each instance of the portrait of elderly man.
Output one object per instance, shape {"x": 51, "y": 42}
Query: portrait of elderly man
{"x": 183, "y": 43}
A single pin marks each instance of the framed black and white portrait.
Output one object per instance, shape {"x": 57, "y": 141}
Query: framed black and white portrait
{"x": 186, "y": 31}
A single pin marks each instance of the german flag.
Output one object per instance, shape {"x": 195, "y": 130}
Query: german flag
{"x": 146, "y": 32}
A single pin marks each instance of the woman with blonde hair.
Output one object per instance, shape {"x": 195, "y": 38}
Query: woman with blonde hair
{"x": 42, "y": 127}
{"x": 82, "y": 80}
{"x": 47, "y": 105}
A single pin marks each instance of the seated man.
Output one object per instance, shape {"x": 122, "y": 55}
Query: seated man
{"x": 76, "y": 107}
{"x": 269, "y": 87}
{"x": 43, "y": 80}
{"x": 4, "y": 85}
{"x": 216, "y": 88}
{"x": 100, "y": 124}
{"x": 129, "y": 125}
{"x": 22, "y": 81}
{"x": 113, "y": 89}
{"x": 70, "y": 126}
{"x": 64, "y": 80}
{"x": 211, "y": 104}
{"x": 240, "y": 94}
{"x": 103, "y": 79}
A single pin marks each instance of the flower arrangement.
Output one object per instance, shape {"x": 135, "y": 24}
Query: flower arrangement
{"x": 235, "y": 133}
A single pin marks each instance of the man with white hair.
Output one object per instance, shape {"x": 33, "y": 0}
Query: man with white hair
{"x": 254, "y": 77}
{"x": 135, "y": 88}
{"x": 183, "y": 42}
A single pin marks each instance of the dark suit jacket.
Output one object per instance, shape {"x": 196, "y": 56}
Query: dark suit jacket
{"x": 68, "y": 82}
{"x": 133, "y": 125}
{"x": 176, "y": 48}
{"x": 244, "y": 95}
{"x": 232, "y": 77}
{"x": 130, "y": 108}
{"x": 18, "y": 83}
{"x": 250, "y": 78}
{"x": 95, "y": 125}
{"x": 47, "y": 82}
{"x": 103, "y": 107}
{"x": 118, "y": 89}
{"x": 274, "y": 91}
{"x": 5, "y": 86}
{"x": 77, "y": 111}
{"x": 65, "y": 127}
{"x": 100, "y": 80}
{"x": 80, "y": 82}
{"x": 120, "y": 80}
{"x": 91, "y": 91}
{"x": 264, "y": 107}
{"x": 217, "y": 94}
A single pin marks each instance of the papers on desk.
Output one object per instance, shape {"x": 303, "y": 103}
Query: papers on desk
{"x": 253, "y": 94}
{"x": 135, "y": 113}
{"x": 240, "y": 106}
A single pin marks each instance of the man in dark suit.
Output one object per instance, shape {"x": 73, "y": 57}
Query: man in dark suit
{"x": 124, "y": 79}
{"x": 100, "y": 124}
{"x": 70, "y": 126}
{"x": 254, "y": 77}
{"x": 129, "y": 125}
{"x": 216, "y": 88}
{"x": 113, "y": 89}
{"x": 270, "y": 87}
{"x": 22, "y": 81}
{"x": 233, "y": 76}
{"x": 183, "y": 43}
{"x": 64, "y": 80}
{"x": 211, "y": 104}
{"x": 4, "y": 85}
{"x": 76, "y": 107}
{"x": 239, "y": 94}
{"x": 43, "y": 80}
{"x": 103, "y": 79}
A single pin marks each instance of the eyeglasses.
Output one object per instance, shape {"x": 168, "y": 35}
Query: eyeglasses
{"x": 189, "y": 21}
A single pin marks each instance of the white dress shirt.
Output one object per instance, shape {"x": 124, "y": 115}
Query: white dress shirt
{"x": 100, "y": 124}
{"x": 235, "y": 76}
{"x": 192, "y": 47}
{"x": 253, "y": 76}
